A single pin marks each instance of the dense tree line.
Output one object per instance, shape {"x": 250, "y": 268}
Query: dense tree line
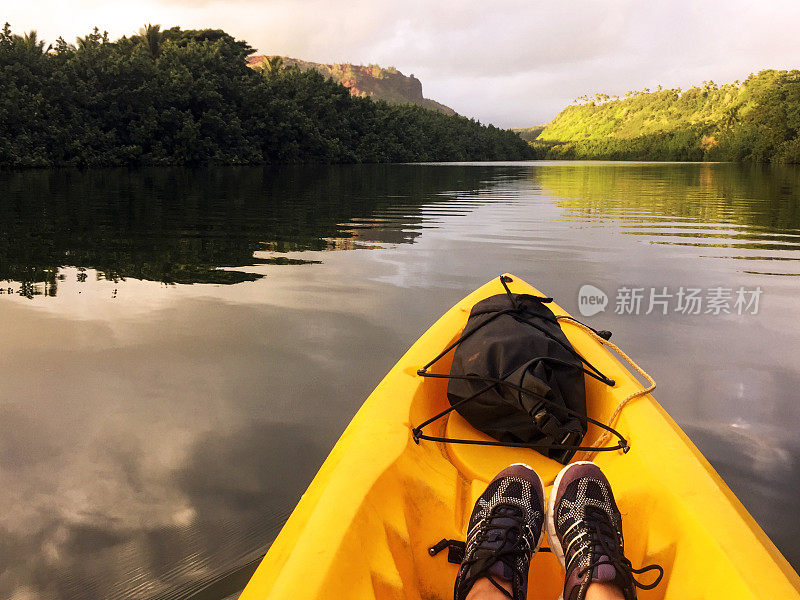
{"x": 757, "y": 120}
{"x": 186, "y": 97}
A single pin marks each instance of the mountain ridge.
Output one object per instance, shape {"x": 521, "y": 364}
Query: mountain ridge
{"x": 380, "y": 83}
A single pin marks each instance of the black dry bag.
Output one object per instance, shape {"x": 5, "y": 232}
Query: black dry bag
{"x": 525, "y": 348}
{"x": 516, "y": 377}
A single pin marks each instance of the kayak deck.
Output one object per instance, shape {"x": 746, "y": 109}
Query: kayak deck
{"x": 364, "y": 526}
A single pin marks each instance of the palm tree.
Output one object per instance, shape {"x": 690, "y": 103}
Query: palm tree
{"x": 5, "y": 35}
{"x": 32, "y": 43}
{"x": 273, "y": 65}
{"x": 90, "y": 41}
{"x": 151, "y": 36}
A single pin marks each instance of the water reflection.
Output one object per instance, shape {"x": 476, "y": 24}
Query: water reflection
{"x": 153, "y": 438}
{"x": 191, "y": 226}
{"x": 757, "y": 196}
{"x": 234, "y": 492}
{"x": 711, "y": 206}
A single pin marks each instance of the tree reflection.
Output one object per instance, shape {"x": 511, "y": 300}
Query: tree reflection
{"x": 180, "y": 226}
{"x": 763, "y": 197}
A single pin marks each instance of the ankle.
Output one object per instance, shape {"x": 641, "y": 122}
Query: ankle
{"x": 604, "y": 591}
{"x": 483, "y": 589}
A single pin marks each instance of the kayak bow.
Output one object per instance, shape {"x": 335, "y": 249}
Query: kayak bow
{"x": 365, "y": 526}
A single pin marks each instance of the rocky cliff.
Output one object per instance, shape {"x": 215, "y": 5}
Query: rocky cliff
{"x": 387, "y": 84}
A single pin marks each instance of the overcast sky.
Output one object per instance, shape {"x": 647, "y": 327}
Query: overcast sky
{"x": 510, "y": 62}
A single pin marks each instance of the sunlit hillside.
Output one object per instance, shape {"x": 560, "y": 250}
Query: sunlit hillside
{"x": 754, "y": 120}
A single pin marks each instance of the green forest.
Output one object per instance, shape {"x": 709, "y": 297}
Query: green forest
{"x": 756, "y": 120}
{"x": 182, "y": 97}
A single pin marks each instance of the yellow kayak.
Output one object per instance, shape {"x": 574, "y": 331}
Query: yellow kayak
{"x": 364, "y": 527}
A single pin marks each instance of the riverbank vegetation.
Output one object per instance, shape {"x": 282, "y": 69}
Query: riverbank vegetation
{"x": 188, "y": 97}
{"x": 757, "y": 120}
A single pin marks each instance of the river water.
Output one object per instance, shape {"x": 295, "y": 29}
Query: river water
{"x": 182, "y": 347}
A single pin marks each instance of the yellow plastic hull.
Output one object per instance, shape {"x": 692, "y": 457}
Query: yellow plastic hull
{"x": 364, "y": 526}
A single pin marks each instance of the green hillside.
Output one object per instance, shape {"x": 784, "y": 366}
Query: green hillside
{"x": 529, "y": 133}
{"x": 754, "y": 120}
{"x": 373, "y": 81}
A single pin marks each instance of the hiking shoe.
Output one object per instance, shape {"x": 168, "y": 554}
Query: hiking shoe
{"x": 505, "y": 530}
{"x": 584, "y": 530}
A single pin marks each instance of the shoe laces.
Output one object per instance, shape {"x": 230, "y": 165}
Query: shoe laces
{"x": 495, "y": 542}
{"x": 605, "y": 545}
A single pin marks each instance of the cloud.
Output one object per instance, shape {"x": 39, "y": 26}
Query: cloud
{"x": 155, "y": 461}
{"x": 511, "y": 62}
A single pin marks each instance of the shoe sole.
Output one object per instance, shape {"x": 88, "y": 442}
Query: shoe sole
{"x": 550, "y": 519}
{"x": 544, "y": 507}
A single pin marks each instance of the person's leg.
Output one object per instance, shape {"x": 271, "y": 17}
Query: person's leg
{"x": 483, "y": 589}
{"x": 584, "y": 529}
{"x": 604, "y": 591}
{"x": 505, "y": 530}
